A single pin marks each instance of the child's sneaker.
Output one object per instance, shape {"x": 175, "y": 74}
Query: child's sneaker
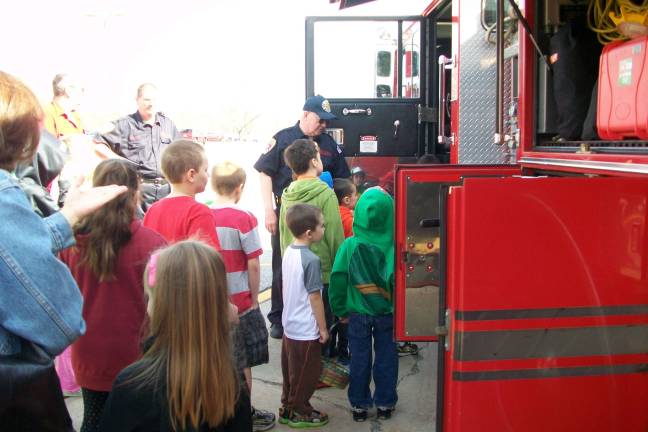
{"x": 315, "y": 419}
{"x": 384, "y": 413}
{"x": 262, "y": 420}
{"x": 359, "y": 414}
{"x": 284, "y": 415}
{"x": 407, "y": 348}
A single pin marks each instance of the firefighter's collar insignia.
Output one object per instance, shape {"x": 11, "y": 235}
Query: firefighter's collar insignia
{"x": 326, "y": 106}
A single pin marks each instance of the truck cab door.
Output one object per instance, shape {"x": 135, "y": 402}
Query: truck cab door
{"x": 371, "y": 70}
{"x": 544, "y": 300}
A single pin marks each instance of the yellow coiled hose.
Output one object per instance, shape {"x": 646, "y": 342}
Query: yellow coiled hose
{"x": 600, "y": 21}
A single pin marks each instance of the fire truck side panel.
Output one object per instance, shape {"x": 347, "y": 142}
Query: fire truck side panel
{"x": 568, "y": 348}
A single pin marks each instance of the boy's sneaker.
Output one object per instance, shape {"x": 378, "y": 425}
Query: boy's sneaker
{"x": 262, "y": 420}
{"x": 407, "y": 348}
{"x": 284, "y": 415}
{"x": 384, "y": 413}
{"x": 359, "y": 414}
{"x": 315, "y": 419}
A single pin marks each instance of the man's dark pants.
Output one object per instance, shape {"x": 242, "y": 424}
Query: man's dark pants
{"x": 276, "y": 308}
{"x": 150, "y": 193}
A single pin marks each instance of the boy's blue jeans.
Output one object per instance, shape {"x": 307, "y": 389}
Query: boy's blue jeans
{"x": 362, "y": 329}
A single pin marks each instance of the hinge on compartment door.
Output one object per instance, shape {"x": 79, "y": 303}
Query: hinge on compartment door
{"x": 405, "y": 256}
{"x": 444, "y": 330}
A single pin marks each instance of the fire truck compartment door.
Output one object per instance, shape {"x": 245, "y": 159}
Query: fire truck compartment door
{"x": 548, "y": 305}
{"x": 370, "y": 69}
{"x": 421, "y": 224}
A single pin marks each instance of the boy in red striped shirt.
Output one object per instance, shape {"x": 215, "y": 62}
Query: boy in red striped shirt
{"x": 240, "y": 249}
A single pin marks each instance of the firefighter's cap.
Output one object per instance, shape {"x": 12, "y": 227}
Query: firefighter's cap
{"x": 320, "y": 106}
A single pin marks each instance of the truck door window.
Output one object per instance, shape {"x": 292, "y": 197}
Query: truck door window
{"x": 362, "y": 59}
{"x": 410, "y": 55}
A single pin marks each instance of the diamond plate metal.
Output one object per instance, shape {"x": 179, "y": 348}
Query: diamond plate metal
{"x": 477, "y": 90}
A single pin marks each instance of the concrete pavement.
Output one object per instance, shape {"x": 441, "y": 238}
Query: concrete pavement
{"x": 416, "y": 390}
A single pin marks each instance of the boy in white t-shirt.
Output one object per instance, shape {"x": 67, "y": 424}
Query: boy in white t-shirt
{"x": 303, "y": 319}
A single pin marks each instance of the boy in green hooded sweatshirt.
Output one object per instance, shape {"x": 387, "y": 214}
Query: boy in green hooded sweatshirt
{"x": 361, "y": 291}
{"x": 303, "y": 158}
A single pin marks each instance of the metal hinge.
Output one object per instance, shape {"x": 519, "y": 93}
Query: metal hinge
{"x": 444, "y": 330}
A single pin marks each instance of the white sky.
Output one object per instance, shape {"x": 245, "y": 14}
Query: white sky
{"x": 213, "y": 60}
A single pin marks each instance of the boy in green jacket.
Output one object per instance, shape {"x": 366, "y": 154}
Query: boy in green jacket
{"x": 361, "y": 291}
{"x": 303, "y": 158}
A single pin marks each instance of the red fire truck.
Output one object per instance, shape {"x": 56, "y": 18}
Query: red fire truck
{"x": 525, "y": 255}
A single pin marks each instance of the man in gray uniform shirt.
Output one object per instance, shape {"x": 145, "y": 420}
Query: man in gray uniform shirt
{"x": 140, "y": 137}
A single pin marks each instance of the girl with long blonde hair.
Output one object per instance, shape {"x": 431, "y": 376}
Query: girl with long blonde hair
{"x": 186, "y": 380}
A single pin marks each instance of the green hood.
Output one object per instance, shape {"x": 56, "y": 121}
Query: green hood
{"x": 373, "y": 222}
{"x": 305, "y": 190}
{"x": 362, "y": 280}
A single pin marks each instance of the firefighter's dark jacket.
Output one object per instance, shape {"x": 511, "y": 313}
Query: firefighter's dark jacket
{"x": 272, "y": 161}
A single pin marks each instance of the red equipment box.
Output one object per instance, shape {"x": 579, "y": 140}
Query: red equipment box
{"x": 623, "y": 91}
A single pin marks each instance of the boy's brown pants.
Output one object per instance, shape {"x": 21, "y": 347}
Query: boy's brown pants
{"x": 301, "y": 366}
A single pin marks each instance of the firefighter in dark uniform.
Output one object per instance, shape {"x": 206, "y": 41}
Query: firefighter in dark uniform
{"x": 140, "y": 138}
{"x": 276, "y": 176}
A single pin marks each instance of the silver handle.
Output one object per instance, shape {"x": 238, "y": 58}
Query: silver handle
{"x": 347, "y": 111}
{"x": 499, "y": 100}
{"x": 443, "y": 62}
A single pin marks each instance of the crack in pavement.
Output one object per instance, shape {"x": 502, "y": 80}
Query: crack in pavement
{"x": 269, "y": 382}
{"x": 376, "y": 425}
{"x": 414, "y": 370}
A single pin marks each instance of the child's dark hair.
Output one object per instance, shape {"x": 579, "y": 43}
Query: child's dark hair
{"x": 179, "y": 157}
{"x": 343, "y": 188}
{"x": 302, "y": 217}
{"x": 299, "y": 154}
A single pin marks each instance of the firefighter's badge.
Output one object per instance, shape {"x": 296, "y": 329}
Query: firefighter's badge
{"x": 326, "y": 106}
{"x": 271, "y": 144}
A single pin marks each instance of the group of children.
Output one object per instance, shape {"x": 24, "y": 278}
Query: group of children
{"x": 326, "y": 276}
{"x": 197, "y": 288}
{"x": 196, "y": 295}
